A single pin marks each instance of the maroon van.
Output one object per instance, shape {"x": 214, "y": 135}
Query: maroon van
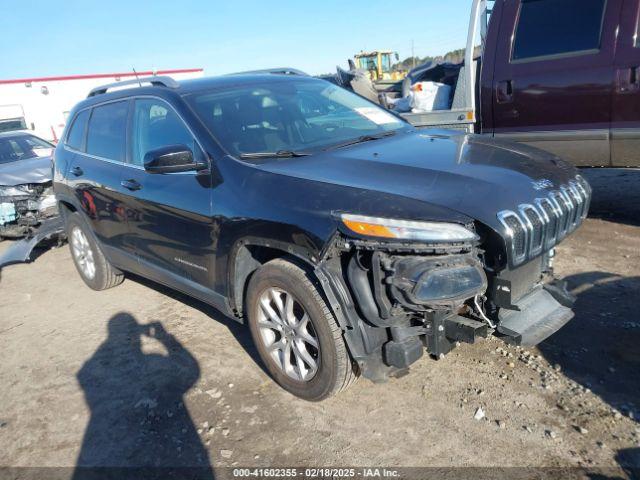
{"x": 561, "y": 75}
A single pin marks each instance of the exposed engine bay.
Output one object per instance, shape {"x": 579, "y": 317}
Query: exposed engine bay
{"x": 24, "y": 207}
{"x": 413, "y": 298}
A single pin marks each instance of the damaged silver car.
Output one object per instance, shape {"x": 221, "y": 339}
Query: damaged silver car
{"x": 28, "y": 207}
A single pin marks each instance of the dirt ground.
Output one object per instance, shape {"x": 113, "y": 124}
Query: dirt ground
{"x": 85, "y": 381}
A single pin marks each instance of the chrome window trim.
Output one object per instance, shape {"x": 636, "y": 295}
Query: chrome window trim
{"x": 95, "y": 157}
{"x": 125, "y": 163}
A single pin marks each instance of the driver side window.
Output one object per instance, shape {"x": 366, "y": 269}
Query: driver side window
{"x": 156, "y": 125}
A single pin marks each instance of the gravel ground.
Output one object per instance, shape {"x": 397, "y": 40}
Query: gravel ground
{"x": 139, "y": 375}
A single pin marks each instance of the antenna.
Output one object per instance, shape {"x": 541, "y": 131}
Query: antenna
{"x": 136, "y": 74}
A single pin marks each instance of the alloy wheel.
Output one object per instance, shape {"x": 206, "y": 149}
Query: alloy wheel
{"x": 288, "y": 334}
{"x": 83, "y": 253}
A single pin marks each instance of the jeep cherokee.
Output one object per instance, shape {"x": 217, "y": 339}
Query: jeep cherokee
{"x": 349, "y": 241}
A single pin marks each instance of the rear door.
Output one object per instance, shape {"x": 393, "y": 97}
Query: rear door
{"x": 169, "y": 214}
{"x": 553, "y": 76}
{"x": 95, "y": 172}
{"x": 625, "y": 122}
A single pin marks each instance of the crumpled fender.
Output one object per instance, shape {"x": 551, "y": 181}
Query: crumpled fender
{"x": 21, "y": 250}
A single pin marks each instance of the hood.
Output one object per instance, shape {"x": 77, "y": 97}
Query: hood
{"x": 21, "y": 172}
{"x": 470, "y": 174}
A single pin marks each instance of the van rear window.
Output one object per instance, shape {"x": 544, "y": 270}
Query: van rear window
{"x": 557, "y": 27}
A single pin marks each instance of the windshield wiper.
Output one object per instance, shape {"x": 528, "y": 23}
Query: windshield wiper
{"x": 364, "y": 138}
{"x": 278, "y": 154}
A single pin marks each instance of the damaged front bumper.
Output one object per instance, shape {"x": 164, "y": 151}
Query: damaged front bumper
{"x": 24, "y": 207}
{"x": 21, "y": 251}
{"x": 29, "y": 213}
{"x": 537, "y": 315}
{"x": 395, "y": 301}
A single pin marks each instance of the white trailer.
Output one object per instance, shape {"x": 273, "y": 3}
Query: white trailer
{"x": 42, "y": 104}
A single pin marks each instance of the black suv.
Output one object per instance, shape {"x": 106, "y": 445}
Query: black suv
{"x": 348, "y": 240}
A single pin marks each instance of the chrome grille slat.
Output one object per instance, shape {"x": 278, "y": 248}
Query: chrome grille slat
{"x": 537, "y": 227}
{"x": 546, "y": 208}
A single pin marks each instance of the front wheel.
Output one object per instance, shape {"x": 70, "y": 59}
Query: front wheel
{"x": 295, "y": 333}
{"x": 92, "y": 265}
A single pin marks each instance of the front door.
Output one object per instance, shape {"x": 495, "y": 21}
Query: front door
{"x": 553, "y": 76}
{"x": 169, "y": 215}
{"x": 625, "y": 122}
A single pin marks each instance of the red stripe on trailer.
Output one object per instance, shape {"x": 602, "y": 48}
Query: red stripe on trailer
{"x": 100, "y": 75}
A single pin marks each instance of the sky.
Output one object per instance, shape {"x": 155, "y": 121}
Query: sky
{"x": 71, "y": 37}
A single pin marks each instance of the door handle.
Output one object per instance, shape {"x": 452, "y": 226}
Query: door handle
{"x": 77, "y": 171}
{"x": 504, "y": 91}
{"x": 628, "y": 79}
{"x": 131, "y": 184}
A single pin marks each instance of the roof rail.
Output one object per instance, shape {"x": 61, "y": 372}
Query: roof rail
{"x": 161, "y": 81}
{"x": 274, "y": 71}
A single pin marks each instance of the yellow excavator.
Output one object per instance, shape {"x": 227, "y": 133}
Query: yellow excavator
{"x": 379, "y": 65}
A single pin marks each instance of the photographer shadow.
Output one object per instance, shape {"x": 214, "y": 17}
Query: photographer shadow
{"x": 139, "y": 425}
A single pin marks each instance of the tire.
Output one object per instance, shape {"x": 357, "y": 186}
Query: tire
{"x": 334, "y": 369}
{"x": 85, "y": 249}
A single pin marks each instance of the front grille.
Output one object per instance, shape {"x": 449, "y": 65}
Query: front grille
{"x": 537, "y": 227}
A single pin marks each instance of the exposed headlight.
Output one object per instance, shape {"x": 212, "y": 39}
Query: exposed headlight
{"x": 462, "y": 281}
{"x": 406, "y": 229}
{"x": 434, "y": 280}
{"x": 18, "y": 191}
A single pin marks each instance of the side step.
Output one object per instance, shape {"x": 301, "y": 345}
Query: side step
{"x": 540, "y": 316}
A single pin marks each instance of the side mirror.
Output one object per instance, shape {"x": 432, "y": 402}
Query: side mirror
{"x": 172, "y": 159}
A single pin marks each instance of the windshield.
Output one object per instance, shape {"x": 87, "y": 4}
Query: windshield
{"x": 291, "y": 116}
{"x": 20, "y": 147}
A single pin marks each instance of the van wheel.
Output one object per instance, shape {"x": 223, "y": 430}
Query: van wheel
{"x": 296, "y": 335}
{"x": 93, "y": 267}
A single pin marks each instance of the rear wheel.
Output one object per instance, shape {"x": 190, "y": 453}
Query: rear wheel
{"x": 92, "y": 265}
{"x": 295, "y": 333}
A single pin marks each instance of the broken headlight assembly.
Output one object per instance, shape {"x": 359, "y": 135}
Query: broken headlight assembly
{"x": 429, "y": 232}
{"x": 17, "y": 191}
{"x": 439, "y": 269}
{"x": 437, "y": 281}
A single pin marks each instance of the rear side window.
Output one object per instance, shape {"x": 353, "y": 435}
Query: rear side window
{"x": 76, "y": 132}
{"x": 107, "y": 131}
{"x": 557, "y": 27}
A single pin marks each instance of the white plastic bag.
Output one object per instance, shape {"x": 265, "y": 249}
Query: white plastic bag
{"x": 429, "y": 96}
{"x": 400, "y": 104}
